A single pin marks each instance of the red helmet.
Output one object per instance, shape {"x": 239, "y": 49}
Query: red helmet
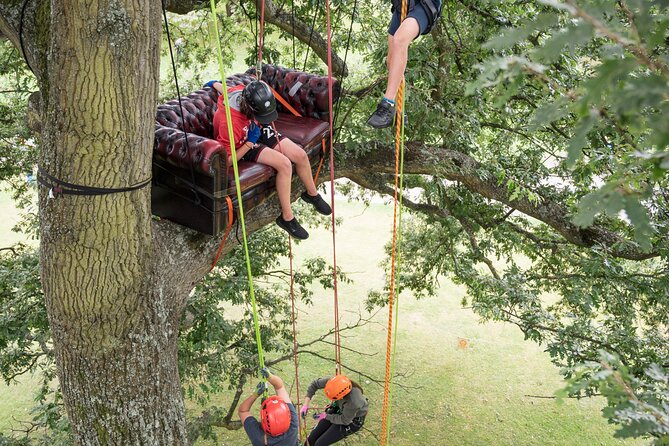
{"x": 274, "y": 416}
{"x": 338, "y": 387}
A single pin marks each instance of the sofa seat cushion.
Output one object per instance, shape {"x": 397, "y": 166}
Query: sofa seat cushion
{"x": 307, "y": 132}
{"x": 250, "y": 175}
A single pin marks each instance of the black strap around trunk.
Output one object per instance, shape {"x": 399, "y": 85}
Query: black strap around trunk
{"x": 60, "y": 187}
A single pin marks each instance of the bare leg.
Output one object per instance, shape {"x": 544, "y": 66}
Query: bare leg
{"x": 398, "y": 53}
{"x": 284, "y": 174}
{"x": 389, "y": 59}
{"x": 297, "y": 155}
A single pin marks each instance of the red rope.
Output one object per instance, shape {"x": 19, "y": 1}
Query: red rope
{"x": 262, "y": 35}
{"x": 332, "y": 190}
{"x": 302, "y": 424}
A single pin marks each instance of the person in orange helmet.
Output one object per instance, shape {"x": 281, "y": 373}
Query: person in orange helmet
{"x": 343, "y": 417}
{"x": 278, "y": 424}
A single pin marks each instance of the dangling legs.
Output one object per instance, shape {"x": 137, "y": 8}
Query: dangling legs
{"x": 284, "y": 173}
{"x": 398, "y": 54}
{"x": 297, "y": 155}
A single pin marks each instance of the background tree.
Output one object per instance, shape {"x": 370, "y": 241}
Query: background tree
{"x": 539, "y": 158}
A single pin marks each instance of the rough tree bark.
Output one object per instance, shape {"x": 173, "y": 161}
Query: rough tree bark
{"x": 113, "y": 318}
{"x": 114, "y": 304}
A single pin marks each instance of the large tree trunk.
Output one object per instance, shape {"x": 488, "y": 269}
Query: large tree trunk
{"x": 114, "y": 321}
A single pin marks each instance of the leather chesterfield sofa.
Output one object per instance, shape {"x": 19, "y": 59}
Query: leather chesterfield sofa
{"x": 192, "y": 183}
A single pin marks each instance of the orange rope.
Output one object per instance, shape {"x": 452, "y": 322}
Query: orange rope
{"x": 227, "y": 232}
{"x": 383, "y": 439}
{"x": 320, "y": 164}
{"x": 284, "y": 102}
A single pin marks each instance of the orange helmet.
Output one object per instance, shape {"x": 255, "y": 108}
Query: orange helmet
{"x": 337, "y": 387}
{"x": 274, "y": 416}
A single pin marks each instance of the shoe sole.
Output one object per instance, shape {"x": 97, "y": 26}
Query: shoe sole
{"x": 379, "y": 126}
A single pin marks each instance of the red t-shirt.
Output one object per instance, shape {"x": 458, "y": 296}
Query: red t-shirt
{"x": 240, "y": 123}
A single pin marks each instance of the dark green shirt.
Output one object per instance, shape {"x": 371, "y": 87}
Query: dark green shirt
{"x": 351, "y": 406}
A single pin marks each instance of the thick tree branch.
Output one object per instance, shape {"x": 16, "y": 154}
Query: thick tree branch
{"x": 460, "y": 167}
{"x": 379, "y": 183}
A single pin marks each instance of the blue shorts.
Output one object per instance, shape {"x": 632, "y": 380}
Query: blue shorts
{"x": 418, "y": 13}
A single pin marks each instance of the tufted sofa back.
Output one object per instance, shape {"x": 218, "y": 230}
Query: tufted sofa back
{"x": 198, "y": 110}
{"x": 307, "y": 93}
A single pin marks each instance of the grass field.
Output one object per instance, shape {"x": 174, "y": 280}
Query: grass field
{"x": 479, "y": 395}
{"x": 485, "y": 394}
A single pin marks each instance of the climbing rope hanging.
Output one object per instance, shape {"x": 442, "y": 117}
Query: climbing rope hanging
{"x": 337, "y": 339}
{"x": 390, "y": 344}
{"x": 301, "y": 423}
{"x": 235, "y": 167}
{"x": 261, "y": 37}
{"x": 400, "y": 118}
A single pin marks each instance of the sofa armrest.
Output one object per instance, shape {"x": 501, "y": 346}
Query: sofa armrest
{"x": 206, "y": 156}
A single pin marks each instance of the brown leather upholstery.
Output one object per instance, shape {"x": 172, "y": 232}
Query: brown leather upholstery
{"x": 191, "y": 176}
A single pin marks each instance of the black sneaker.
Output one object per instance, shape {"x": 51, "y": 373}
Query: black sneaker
{"x": 383, "y": 116}
{"x": 293, "y": 228}
{"x": 317, "y": 202}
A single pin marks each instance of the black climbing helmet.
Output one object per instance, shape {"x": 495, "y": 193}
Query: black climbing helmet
{"x": 260, "y": 98}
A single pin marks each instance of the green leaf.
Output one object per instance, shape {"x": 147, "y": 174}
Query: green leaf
{"x": 511, "y": 36}
{"x": 579, "y": 140}
{"x": 588, "y": 208}
{"x": 638, "y": 215}
{"x": 548, "y": 113}
{"x": 569, "y": 38}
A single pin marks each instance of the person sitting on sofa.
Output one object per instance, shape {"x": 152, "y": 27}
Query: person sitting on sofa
{"x": 252, "y": 111}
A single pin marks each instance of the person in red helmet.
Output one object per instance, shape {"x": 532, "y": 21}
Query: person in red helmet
{"x": 343, "y": 417}
{"x": 278, "y": 424}
{"x": 252, "y": 111}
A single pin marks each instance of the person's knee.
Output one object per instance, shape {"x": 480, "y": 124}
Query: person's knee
{"x": 401, "y": 42}
{"x": 301, "y": 157}
{"x": 406, "y": 34}
{"x": 284, "y": 166}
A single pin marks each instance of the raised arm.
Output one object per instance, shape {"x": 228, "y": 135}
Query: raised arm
{"x": 244, "y": 409}
{"x": 277, "y": 383}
